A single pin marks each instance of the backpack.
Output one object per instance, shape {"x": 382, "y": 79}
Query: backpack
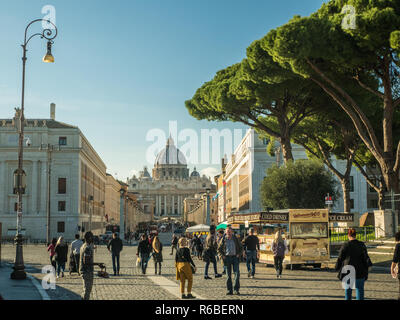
{"x": 280, "y": 249}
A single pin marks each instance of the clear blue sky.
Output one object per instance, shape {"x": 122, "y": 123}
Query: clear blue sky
{"x": 125, "y": 67}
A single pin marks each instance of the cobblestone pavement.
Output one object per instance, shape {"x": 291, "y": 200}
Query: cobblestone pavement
{"x": 305, "y": 284}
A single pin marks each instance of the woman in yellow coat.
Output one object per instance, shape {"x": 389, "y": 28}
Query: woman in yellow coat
{"x": 183, "y": 264}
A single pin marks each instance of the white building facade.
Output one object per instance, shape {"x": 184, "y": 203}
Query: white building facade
{"x": 244, "y": 172}
{"x": 59, "y": 157}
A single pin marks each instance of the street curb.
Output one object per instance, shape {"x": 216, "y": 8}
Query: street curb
{"x": 42, "y": 292}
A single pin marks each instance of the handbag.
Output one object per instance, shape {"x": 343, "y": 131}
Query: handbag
{"x": 193, "y": 269}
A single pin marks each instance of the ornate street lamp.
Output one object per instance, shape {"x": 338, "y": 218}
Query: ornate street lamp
{"x": 49, "y": 35}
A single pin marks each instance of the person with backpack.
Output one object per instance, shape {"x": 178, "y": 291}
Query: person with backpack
{"x": 394, "y": 269}
{"x": 86, "y": 266}
{"x": 354, "y": 253}
{"x": 278, "y": 248}
{"x": 252, "y": 247}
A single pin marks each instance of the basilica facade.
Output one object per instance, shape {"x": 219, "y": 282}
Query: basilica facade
{"x": 170, "y": 183}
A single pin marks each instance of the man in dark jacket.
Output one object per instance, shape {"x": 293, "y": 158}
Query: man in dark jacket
{"x": 354, "y": 254}
{"x": 252, "y": 247}
{"x": 143, "y": 251}
{"x": 230, "y": 249}
{"x": 115, "y": 247}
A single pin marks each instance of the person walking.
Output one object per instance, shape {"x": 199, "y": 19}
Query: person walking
{"x": 183, "y": 265}
{"x": 143, "y": 251}
{"x": 75, "y": 251}
{"x": 230, "y": 249}
{"x": 86, "y": 265}
{"x": 354, "y": 253}
{"x": 252, "y": 247}
{"x": 157, "y": 254}
{"x": 220, "y": 235}
{"x": 199, "y": 248}
{"x": 210, "y": 252}
{"x": 174, "y": 243}
{"x": 279, "y": 249}
{"x": 394, "y": 268}
{"x": 61, "y": 254}
{"x": 51, "y": 250}
{"x": 115, "y": 247}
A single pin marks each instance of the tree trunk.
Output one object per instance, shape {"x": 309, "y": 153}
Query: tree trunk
{"x": 346, "y": 194}
{"x": 286, "y": 149}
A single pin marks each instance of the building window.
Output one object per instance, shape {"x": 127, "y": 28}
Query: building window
{"x": 351, "y": 184}
{"x": 351, "y": 203}
{"x": 265, "y": 141}
{"x": 61, "y": 226}
{"x": 62, "y": 141}
{"x": 61, "y": 206}
{"x": 62, "y": 185}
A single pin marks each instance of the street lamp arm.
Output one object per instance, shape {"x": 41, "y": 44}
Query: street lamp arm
{"x": 48, "y": 34}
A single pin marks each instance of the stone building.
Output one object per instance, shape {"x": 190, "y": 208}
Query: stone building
{"x": 112, "y": 200}
{"x": 195, "y": 209}
{"x": 65, "y": 177}
{"x": 170, "y": 183}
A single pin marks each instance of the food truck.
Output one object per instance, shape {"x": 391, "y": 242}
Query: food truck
{"x": 305, "y": 232}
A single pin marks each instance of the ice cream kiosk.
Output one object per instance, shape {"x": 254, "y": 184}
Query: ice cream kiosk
{"x": 305, "y": 232}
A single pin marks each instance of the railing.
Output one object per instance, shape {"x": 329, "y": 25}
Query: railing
{"x": 339, "y": 234}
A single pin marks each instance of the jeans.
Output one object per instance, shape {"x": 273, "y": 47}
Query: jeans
{"x": 60, "y": 266}
{"x": 359, "y": 290}
{"x": 278, "y": 265}
{"x": 115, "y": 262}
{"x": 210, "y": 259}
{"x": 251, "y": 257}
{"x": 144, "y": 259}
{"x": 232, "y": 262}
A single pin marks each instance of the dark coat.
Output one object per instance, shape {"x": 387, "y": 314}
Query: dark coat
{"x": 61, "y": 253}
{"x": 158, "y": 256}
{"x": 116, "y": 245}
{"x": 144, "y": 247}
{"x": 354, "y": 253}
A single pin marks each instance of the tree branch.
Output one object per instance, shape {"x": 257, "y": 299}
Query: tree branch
{"x": 372, "y": 137}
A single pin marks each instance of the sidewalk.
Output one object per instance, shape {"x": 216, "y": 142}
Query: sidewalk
{"x": 28, "y": 289}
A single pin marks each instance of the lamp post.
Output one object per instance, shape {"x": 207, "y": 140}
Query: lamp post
{"x": 122, "y": 214}
{"x": 208, "y": 206}
{"x": 50, "y": 148}
{"x": 19, "y": 268}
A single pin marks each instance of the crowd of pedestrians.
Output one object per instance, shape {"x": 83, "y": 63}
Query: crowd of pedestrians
{"x": 224, "y": 246}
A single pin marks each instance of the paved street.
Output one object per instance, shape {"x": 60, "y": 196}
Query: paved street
{"x": 306, "y": 284}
